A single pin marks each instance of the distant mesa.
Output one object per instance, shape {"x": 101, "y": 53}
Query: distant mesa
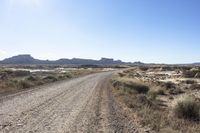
{"x": 28, "y": 59}
{"x": 197, "y": 63}
{"x": 20, "y": 59}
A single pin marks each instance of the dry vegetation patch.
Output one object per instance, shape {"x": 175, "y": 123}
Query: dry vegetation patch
{"x": 146, "y": 93}
{"x": 188, "y": 109}
{"x": 18, "y": 78}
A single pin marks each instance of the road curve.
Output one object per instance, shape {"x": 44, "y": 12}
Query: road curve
{"x": 82, "y": 105}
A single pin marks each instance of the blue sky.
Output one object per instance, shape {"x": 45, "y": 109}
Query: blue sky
{"x": 160, "y": 31}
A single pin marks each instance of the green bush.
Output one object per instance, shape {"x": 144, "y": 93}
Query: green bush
{"x": 187, "y": 109}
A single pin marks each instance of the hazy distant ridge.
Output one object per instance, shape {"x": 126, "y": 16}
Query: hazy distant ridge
{"x": 28, "y": 59}
{"x": 197, "y": 63}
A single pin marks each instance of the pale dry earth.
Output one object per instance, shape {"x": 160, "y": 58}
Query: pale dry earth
{"x": 84, "y": 105}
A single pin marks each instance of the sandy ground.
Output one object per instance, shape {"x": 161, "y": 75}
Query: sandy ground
{"x": 83, "y": 104}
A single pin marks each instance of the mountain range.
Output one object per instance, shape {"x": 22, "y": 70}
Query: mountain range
{"x": 28, "y": 59}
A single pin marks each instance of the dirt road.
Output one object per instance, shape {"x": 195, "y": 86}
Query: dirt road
{"x": 83, "y": 105}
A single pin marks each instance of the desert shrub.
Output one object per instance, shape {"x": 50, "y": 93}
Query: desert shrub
{"x": 68, "y": 75}
{"x": 161, "y": 91}
{"x": 131, "y": 75}
{"x": 189, "y": 81}
{"x": 169, "y": 85}
{"x": 129, "y": 90}
{"x": 50, "y": 78}
{"x": 143, "y": 68}
{"x": 116, "y": 83}
{"x": 39, "y": 82}
{"x": 197, "y": 75}
{"x": 152, "y": 95}
{"x": 9, "y": 72}
{"x": 130, "y": 86}
{"x": 190, "y": 73}
{"x": 137, "y": 101}
{"x": 121, "y": 74}
{"x": 167, "y": 68}
{"x": 143, "y": 100}
{"x": 195, "y": 86}
{"x": 129, "y": 101}
{"x": 175, "y": 91}
{"x": 32, "y": 78}
{"x": 172, "y": 88}
{"x": 150, "y": 117}
{"x": 61, "y": 77}
{"x": 171, "y": 97}
{"x": 186, "y": 68}
{"x": 187, "y": 109}
{"x": 128, "y": 71}
{"x": 11, "y": 83}
{"x": 24, "y": 84}
{"x": 20, "y": 73}
{"x": 138, "y": 87}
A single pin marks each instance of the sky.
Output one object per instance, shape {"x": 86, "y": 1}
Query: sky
{"x": 151, "y": 31}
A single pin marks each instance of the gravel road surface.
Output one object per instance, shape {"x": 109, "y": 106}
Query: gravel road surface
{"x": 84, "y": 105}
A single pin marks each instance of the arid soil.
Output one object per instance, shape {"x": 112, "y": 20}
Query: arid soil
{"x": 84, "y": 104}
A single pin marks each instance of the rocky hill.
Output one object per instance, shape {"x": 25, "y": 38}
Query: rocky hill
{"x": 28, "y": 59}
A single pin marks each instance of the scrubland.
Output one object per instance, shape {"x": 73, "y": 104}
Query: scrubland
{"x": 15, "y": 78}
{"x": 161, "y": 98}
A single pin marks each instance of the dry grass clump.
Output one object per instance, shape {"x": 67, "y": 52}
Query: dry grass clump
{"x": 195, "y": 86}
{"x": 175, "y": 91}
{"x": 50, "y": 78}
{"x": 189, "y": 81}
{"x": 20, "y": 73}
{"x": 143, "y": 68}
{"x": 151, "y": 117}
{"x": 130, "y": 86}
{"x": 171, "y": 88}
{"x": 152, "y": 94}
{"x": 121, "y": 74}
{"x": 141, "y": 99}
{"x": 5, "y": 74}
{"x": 188, "y": 109}
{"x": 156, "y": 92}
{"x": 169, "y": 85}
{"x": 192, "y": 73}
{"x": 24, "y": 84}
{"x": 161, "y": 91}
{"x": 32, "y": 78}
{"x": 167, "y": 68}
{"x": 144, "y": 100}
